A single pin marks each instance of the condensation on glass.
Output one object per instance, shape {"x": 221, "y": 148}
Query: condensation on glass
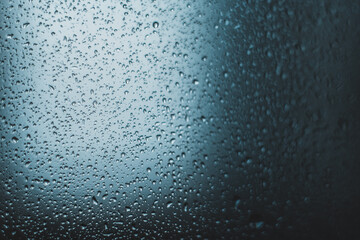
{"x": 179, "y": 119}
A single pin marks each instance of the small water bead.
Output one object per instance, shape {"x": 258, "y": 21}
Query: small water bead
{"x": 155, "y": 24}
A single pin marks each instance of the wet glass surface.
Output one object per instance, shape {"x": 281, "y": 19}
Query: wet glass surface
{"x": 179, "y": 119}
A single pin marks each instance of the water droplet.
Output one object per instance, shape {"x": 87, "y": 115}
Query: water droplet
{"x": 46, "y": 182}
{"x": 25, "y": 24}
{"x": 94, "y": 200}
{"x": 155, "y": 24}
{"x": 195, "y": 82}
{"x": 259, "y": 225}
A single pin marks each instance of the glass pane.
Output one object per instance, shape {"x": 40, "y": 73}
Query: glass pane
{"x": 179, "y": 119}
